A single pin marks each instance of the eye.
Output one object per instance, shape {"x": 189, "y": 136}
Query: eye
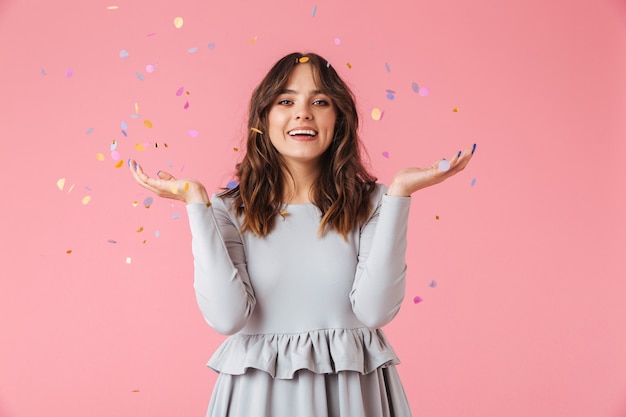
{"x": 320, "y": 102}
{"x": 285, "y": 102}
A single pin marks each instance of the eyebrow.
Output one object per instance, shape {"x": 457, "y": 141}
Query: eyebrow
{"x": 288, "y": 91}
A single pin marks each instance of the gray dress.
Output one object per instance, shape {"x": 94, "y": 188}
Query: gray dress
{"x": 303, "y": 311}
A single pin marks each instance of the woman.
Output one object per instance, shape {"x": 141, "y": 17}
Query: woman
{"x": 304, "y": 261}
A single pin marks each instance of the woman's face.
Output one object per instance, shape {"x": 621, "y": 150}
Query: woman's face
{"x": 301, "y": 120}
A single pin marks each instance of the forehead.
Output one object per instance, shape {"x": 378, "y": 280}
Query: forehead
{"x": 302, "y": 75}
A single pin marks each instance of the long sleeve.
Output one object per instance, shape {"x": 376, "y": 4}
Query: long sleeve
{"x": 222, "y": 286}
{"x": 380, "y": 281}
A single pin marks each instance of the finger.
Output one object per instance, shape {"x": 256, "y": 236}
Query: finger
{"x": 165, "y": 176}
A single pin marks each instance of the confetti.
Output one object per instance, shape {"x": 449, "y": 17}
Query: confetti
{"x": 192, "y": 50}
{"x": 69, "y": 72}
{"x": 89, "y": 131}
{"x": 42, "y": 71}
{"x": 157, "y": 233}
{"x": 415, "y": 87}
{"x": 135, "y": 203}
{"x": 70, "y": 189}
{"x": 377, "y": 114}
{"x": 119, "y": 164}
{"x": 386, "y": 154}
{"x": 387, "y": 67}
{"x": 175, "y": 215}
{"x": 148, "y": 124}
{"x": 140, "y": 229}
{"x": 113, "y": 145}
{"x": 437, "y": 217}
{"x": 136, "y": 108}
{"x": 193, "y": 133}
{"x": 211, "y": 45}
{"x": 424, "y": 91}
{"x": 112, "y": 241}
{"x": 135, "y": 390}
{"x": 186, "y": 187}
{"x": 432, "y": 284}
{"x": 253, "y": 40}
{"x": 232, "y": 184}
{"x": 236, "y": 149}
{"x": 140, "y": 147}
{"x": 68, "y": 251}
{"x": 124, "y": 54}
{"x": 128, "y": 259}
{"x": 178, "y": 22}
{"x": 86, "y": 200}
{"x": 313, "y": 11}
{"x": 456, "y": 109}
{"x": 303, "y": 59}
{"x": 254, "y": 129}
{"x": 113, "y": 7}
{"x": 139, "y": 76}
{"x": 115, "y": 155}
{"x": 444, "y": 165}
{"x": 186, "y": 105}
{"x": 149, "y": 68}
{"x": 61, "y": 183}
{"x": 147, "y": 202}
{"x": 349, "y": 65}
{"x": 337, "y": 41}
{"x": 174, "y": 189}
{"x": 180, "y": 91}
{"x": 417, "y": 299}
{"x": 391, "y": 94}
{"x": 100, "y": 157}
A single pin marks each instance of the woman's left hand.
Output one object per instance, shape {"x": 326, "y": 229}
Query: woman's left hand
{"x": 409, "y": 180}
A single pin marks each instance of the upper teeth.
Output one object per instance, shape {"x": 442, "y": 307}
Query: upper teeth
{"x": 302, "y": 132}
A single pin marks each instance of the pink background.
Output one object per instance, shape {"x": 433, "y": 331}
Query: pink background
{"x": 528, "y": 317}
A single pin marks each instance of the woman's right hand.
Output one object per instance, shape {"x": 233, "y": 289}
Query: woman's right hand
{"x": 166, "y": 186}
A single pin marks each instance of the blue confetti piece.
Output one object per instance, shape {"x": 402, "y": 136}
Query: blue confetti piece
{"x": 473, "y": 182}
{"x": 124, "y": 133}
{"x": 124, "y": 125}
{"x": 211, "y": 45}
{"x": 112, "y": 241}
{"x": 192, "y": 50}
{"x": 313, "y": 11}
{"x": 89, "y": 131}
{"x": 175, "y": 215}
{"x": 147, "y": 202}
{"x": 444, "y": 165}
{"x": 387, "y": 67}
{"x": 232, "y": 184}
{"x": 124, "y": 54}
{"x": 113, "y": 145}
{"x": 157, "y": 233}
{"x": 86, "y": 187}
{"x": 139, "y": 76}
{"x": 134, "y": 116}
{"x": 391, "y": 94}
{"x": 432, "y": 284}
{"x": 42, "y": 71}
{"x": 415, "y": 88}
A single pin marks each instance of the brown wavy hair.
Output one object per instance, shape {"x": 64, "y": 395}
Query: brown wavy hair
{"x": 344, "y": 186}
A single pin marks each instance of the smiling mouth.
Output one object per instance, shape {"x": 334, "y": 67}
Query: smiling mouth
{"x": 305, "y": 133}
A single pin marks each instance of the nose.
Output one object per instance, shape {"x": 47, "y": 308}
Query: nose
{"x": 302, "y": 112}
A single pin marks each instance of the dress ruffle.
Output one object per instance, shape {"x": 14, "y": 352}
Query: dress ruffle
{"x": 320, "y": 351}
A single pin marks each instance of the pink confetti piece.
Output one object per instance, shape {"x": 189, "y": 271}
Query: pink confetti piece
{"x": 186, "y": 106}
{"x": 193, "y": 133}
{"x": 69, "y": 73}
{"x": 417, "y": 299}
{"x": 180, "y": 91}
{"x": 337, "y": 41}
{"x": 149, "y": 68}
{"x": 386, "y": 155}
{"x": 424, "y": 91}
{"x": 124, "y": 54}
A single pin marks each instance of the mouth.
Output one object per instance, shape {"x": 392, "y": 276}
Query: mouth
{"x": 303, "y": 134}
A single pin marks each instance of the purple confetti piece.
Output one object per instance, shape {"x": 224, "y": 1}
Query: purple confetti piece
{"x": 175, "y": 215}
{"x": 386, "y": 154}
{"x": 124, "y": 54}
{"x": 387, "y": 67}
{"x": 180, "y": 91}
{"x": 42, "y": 71}
{"x": 139, "y": 76}
{"x": 186, "y": 106}
{"x": 432, "y": 284}
{"x": 89, "y": 131}
{"x": 232, "y": 184}
{"x": 112, "y": 241}
{"x": 424, "y": 91}
{"x": 193, "y": 133}
{"x": 417, "y": 299}
{"x": 192, "y": 50}
{"x": 211, "y": 45}
{"x": 147, "y": 202}
{"x": 415, "y": 87}
{"x": 313, "y": 11}
{"x": 473, "y": 183}
{"x": 69, "y": 72}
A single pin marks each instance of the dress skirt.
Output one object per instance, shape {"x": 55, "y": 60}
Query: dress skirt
{"x": 308, "y": 394}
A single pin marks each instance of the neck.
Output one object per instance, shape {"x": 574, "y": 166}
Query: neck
{"x": 298, "y": 183}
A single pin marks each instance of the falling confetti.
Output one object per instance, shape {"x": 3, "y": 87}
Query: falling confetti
{"x": 387, "y": 67}
{"x": 211, "y": 45}
{"x": 135, "y": 390}
{"x": 147, "y": 202}
{"x": 42, "y": 71}
{"x": 193, "y": 133}
{"x": 149, "y": 68}
{"x": 68, "y": 251}
{"x": 444, "y": 165}
{"x": 303, "y": 59}
{"x": 148, "y": 124}
{"x": 112, "y": 241}
{"x": 140, "y": 229}
{"x": 313, "y": 11}
{"x": 437, "y": 217}
{"x": 89, "y": 131}
{"x": 192, "y": 50}
{"x": 61, "y": 183}
{"x": 337, "y": 41}
{"x": 473, "y": 183}
{"x": 157, "y": 233}
{"x": 232, "y": 184}
{"x": 136, "y": 109}
{"x": 391, "y": 94}
{"x": 180, "y": 91}
{"x": 128, "y": 259}
{"x": 86, "y": 200}
{"x": 113, "y": 7}
{"x": 349, "y": 65}
{"x": 100, "y": 157}
{"x": 69, "y": 72}
{"x": 174, "y": 189}
{"x": 456, "y": 109}
{"x": 377, "y": 114}
{"x": 140, "y": 147}
{"x": 119, "y": 164}
{"x": 432, "y": 284}
{"x": 417, "y": 299}
{"x": 139, "y": 76}
{"x": 254, "y": 129}
{"x": 124, "y": 54}
{"x": 415, "y": 87}
{"x": 253, "y": 40}
{"x": 186, "y": 105}
{"x": 178, "y": 22}
{"x": 115, "y": 155}
{"x": 175, "y": 215}
{"x": 186, "y": 188}
{"x": 424, "y": 91}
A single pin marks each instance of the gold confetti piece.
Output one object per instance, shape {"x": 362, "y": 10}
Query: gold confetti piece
{"x": 144, "y": 241}
{"x": 254, "y": 129}
{"x": 236, "y": 149}
{"x": 128, "y": 259}
{"x": 99, "y": 156}
{"x": 303, "y": 59}
{"x": 437, "y": 217}
{"x": 135, "y": 390}
{"x": 253, "y": 40}
{"x": 140, "y": 147}
{"x": 136, "y": 108}
{"x": 178, "y": 22}
{"x": 140, "y": 229}
{"x": 86, "y": 199}
{"x": 165, "y": 144}
{"x": 456, "y": 109}
{"x": 113, "y": 7}
{"x": 148, "y": 124}
{"x": 70, "y": 189}
{"x": 119, "y": 164}
{"x": 135, "y": 203}
{"x": 376, "y": 113}
{"x": 68, "y": 251}
{"x": 174, "y": 189}
{"x": 186, "y": 186}
{"x": 283, "y": 213}
{"x": 61, "y": 183}
{"x": 349, "y": 65}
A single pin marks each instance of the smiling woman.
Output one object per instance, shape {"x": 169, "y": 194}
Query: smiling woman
{"x": 305, "y": 333}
